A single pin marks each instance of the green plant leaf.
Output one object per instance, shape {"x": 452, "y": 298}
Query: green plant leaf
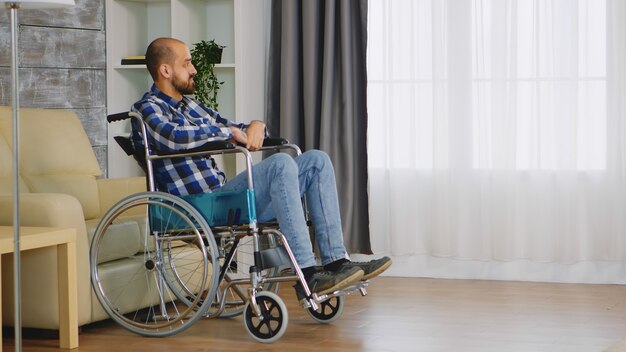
{"x": 203, "y": 57}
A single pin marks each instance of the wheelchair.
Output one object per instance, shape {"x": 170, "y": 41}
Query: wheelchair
{"x": 195, "y": 256}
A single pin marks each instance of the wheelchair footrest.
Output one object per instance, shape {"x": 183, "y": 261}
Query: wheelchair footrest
{"x": 359, "y": 286}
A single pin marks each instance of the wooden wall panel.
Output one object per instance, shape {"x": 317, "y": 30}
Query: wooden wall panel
{"x": 87, "y": 14}
{"x": 49, "y": 47}
{"x": 95, "y": 124}
{"x": 62, "y": 48}
{"x": 101, "y": 155}
{"x": 5, "y": 44}
{"x": 56, "y": 88}
{"x": 62, "y": 54}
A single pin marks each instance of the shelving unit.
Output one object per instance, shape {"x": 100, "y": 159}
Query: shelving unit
{"x": 132, "y": 24}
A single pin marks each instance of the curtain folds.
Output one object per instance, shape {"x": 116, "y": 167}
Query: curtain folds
{"x": 500, "y": 129}
{"x": 317, "y": 95}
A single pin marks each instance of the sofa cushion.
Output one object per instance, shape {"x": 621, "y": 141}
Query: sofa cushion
{"x": 6, "y": 171}
{"x": 122, "y": 241}
{"x": 111, "y": 190}
{"x": 128, "y": 233}
{"x": 80, "y": 186}
{"x": 56, "y": 155}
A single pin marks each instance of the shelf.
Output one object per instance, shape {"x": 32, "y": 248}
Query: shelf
{"x": 129, "y": 67}
{"x": 132, "y": 24}
{"x": 134, "y": 67}
{"x": 145, "y": 1}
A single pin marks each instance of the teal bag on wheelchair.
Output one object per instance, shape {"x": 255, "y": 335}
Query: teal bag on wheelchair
{"x": 217, "y": 208}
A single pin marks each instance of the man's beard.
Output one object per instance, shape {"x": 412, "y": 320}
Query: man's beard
{"x": 185, "y": 88}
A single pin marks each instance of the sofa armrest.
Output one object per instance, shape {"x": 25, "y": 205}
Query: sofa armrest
{"x": 38, "y": 265}
{"x": 44, "y": 209}
{"x": 112, "y": 190}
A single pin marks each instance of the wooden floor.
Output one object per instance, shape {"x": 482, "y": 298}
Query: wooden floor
{"x": 409, "y": 314}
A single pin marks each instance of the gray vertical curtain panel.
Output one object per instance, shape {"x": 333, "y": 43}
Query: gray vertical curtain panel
{"x": 317, "y": 87}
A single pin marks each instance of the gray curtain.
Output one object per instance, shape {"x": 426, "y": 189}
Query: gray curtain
{"x": 317, "y": 95}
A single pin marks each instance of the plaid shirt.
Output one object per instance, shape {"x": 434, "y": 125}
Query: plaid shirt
{"x": 176, "y": 126}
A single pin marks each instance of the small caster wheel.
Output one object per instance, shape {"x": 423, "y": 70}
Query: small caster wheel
{"x": 274, "y": 316}
{"x": 328, "y": 311}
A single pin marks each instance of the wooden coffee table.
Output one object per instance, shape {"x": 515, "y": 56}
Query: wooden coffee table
{"x": 65, "y": 242}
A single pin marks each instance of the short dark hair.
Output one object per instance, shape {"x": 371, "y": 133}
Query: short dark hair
{"x": 158, "y": 52}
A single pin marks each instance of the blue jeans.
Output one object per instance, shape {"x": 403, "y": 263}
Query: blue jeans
{"x": 279, "y": 183}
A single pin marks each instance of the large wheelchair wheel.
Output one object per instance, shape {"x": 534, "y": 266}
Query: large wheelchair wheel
{"x": 152, "y": 264}
{"x": 235, "y": 297}
{"x": 272, "y": 323}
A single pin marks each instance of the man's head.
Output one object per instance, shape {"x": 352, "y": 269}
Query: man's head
{"x": 169, "y": 63}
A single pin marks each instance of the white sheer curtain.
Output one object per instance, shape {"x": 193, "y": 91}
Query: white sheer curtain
{"x": 496, "y": 138}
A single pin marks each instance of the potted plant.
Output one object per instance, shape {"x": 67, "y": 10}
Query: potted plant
{"x": 204, "y": 56}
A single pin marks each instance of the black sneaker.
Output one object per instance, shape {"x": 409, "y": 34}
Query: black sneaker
{"x": 370, "y": 269}
{"x": 323, "y": 282}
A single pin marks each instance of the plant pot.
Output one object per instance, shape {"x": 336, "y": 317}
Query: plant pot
{"x": 215, "y": 55}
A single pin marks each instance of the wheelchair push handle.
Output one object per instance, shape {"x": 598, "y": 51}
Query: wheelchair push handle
{"x": 120, "y": 116}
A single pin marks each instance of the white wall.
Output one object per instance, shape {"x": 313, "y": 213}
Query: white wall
{"x": 252, "y": 40}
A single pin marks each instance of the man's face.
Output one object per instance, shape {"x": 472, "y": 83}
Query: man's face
{"x": 183, "y": 71}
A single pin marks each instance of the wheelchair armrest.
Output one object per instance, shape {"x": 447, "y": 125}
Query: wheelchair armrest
{"x": 271, "y": 142}
{"x": 207, "y": 147}
{"x": 274, "y": 142}
{"x": 279, "y": 144}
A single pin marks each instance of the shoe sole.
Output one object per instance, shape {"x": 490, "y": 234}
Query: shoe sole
{"x": 377, "y": 272}
{"x": 349, "y": 281}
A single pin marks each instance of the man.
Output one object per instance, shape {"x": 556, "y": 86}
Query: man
{"x": 176, "y": 122}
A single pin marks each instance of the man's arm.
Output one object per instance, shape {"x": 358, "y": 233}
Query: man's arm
{"x": 171, "y": 133}
{"x": 251, "y": 135}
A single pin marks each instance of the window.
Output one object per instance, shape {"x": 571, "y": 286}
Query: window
{"x": 488, "y": 84}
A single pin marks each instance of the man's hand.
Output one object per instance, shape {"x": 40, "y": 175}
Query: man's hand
{"x": 239, "y": 136}
{"x": 255, "y": 135}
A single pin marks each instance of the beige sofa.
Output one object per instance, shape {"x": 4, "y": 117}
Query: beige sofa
{"x": 60, "y": 187}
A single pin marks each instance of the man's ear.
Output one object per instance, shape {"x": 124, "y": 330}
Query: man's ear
{"x": 165, "y": 71}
